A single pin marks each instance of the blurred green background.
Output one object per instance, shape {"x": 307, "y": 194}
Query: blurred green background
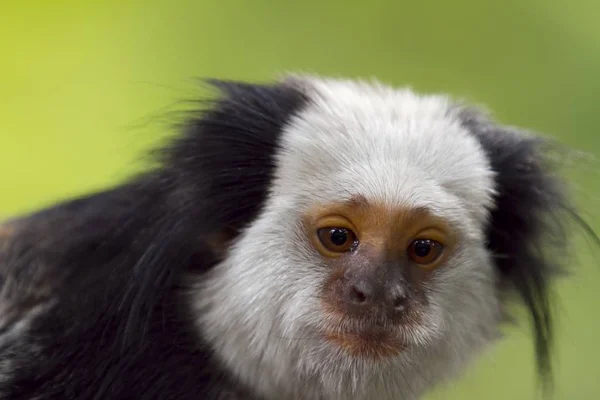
{"x": 85, "y": 87}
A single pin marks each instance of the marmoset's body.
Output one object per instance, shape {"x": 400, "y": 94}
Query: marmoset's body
{"x": 308, "y": 239}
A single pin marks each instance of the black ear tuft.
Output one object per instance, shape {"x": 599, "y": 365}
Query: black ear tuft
{"x": 225, "y": 157}
{"x": 528, "y": 232}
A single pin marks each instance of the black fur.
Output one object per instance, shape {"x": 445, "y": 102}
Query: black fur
{"x": 238, "y": 141}
{"x": 108, "y": 267}
{"x": 528, "y": 232}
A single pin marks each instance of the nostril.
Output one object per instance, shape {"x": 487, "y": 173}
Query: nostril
{"x": 357, "y": 295}
{"x": 399, "y": 301}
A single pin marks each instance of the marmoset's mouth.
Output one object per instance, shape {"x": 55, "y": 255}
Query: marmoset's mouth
{"x": 373, "y": 344}
{"x": 373, "y": 337}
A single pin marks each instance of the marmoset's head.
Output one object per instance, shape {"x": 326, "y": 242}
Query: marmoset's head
{"x": 373, "y": 236}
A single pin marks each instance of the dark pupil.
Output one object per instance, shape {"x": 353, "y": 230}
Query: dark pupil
{"x": 422, "y": 248}
{"x": 338, "y": 237}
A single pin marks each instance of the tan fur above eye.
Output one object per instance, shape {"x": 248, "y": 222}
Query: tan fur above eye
{"x": 390, "y": 232}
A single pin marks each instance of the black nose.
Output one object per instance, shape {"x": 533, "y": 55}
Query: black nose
{"x": 374, "y": 295}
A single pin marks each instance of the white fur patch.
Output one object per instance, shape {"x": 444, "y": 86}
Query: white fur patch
{"x": 260, "y": 307}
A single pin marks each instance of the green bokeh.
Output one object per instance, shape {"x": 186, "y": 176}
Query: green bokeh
{"x": 87, "y": 86}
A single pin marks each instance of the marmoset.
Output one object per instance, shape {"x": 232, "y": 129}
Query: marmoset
{"x": 306, "y": 238}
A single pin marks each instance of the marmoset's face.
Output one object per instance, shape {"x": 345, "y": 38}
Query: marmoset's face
{"x": 370, "y": 249}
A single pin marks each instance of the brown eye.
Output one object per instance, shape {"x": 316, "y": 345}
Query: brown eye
{"x": 337, "y": 240}
{"x": 425, "y": 251}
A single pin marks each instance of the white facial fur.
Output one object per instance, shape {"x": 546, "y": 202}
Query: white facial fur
{"x": 260, "y": 307}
